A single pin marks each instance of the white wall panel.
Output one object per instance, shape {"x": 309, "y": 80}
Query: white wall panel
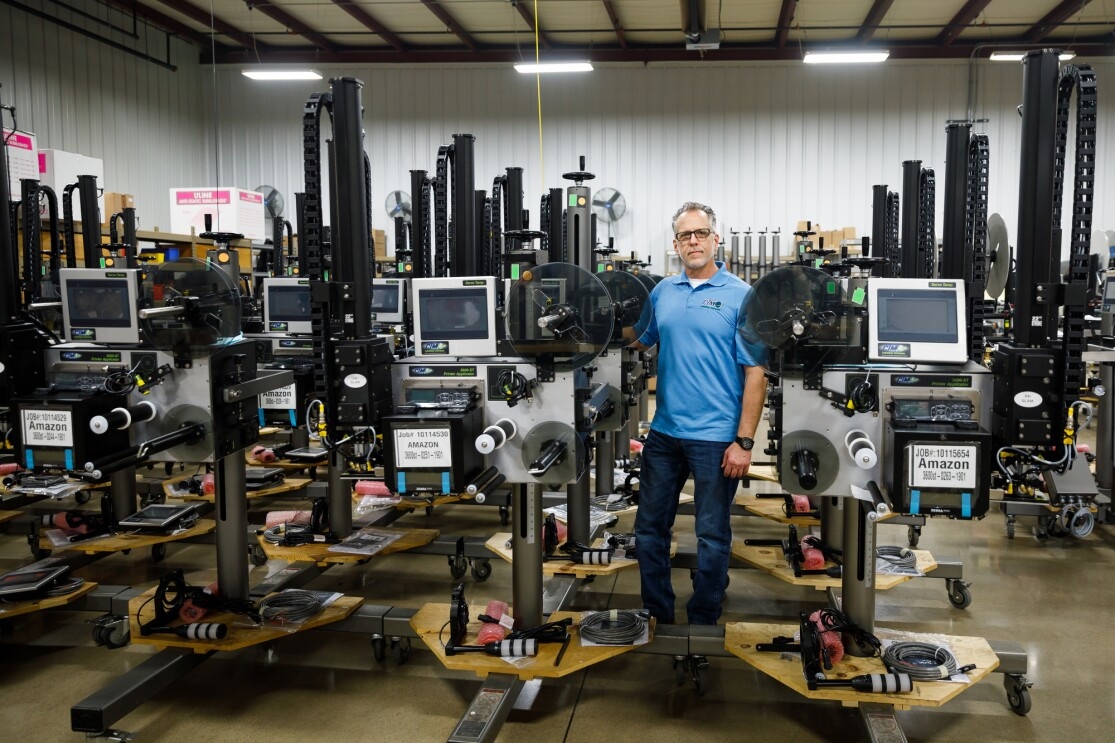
{"x": 767, "y": 145}
{"x": 146, "y": 122}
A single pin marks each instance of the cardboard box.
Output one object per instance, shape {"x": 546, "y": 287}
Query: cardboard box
{"x": 232, "y": 209}
{"x": 115, "y": 203}
{"x": 21, "y": 151}
{"x": 58, "y": 169}
{"x": 380, "y": 238}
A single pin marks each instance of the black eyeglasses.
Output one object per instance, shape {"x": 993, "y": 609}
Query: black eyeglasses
{"x": 702, "y": 234}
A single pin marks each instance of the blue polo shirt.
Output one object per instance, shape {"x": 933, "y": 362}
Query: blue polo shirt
{"x": 700, "y": 353}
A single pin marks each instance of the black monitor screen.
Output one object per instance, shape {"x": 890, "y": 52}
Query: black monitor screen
{"x": 453, "y": 314}
{"x": 99, "y": 303}
{"x": 288, "y": 303}
{"x": 385, "y": 298}
{"x": 917, "y": 315}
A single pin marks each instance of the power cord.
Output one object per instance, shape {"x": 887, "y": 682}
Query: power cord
{"x": 614, "y": 627}
{"x": 922, "y": 661}
{"x": 901, "y": 557}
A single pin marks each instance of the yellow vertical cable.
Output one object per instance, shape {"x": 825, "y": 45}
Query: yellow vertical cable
{"x": 538, "y": 90}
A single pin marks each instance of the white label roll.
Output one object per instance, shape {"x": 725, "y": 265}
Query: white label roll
{"x": 861, "y": 449}
{"x": 495, "y": 436}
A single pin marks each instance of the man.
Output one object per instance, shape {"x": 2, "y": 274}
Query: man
{"x": 709, "y": 399}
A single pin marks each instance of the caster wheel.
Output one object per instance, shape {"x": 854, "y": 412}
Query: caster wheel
{"x": 1010, "y": 527}
{"x": 117, "y": 636}
{"x": 504, "y": 515}
{"x": 913, "y": 536}
{"x": 1018, "y": 695}
{"x": 158, "y": 552}
{"x": 82, "y": 497}
{"x": 458, "y": 565}
{"x": 959, "y": 594}
{"x": 679, "y": 669}
{"x": 379, "y": 648}
{"x": 400, "y": 646}
{"x": 256, "y": 555}
{"x": 481, "y": 569}
{"x": 99, "y": 636}
{"x": 429, "y": 510}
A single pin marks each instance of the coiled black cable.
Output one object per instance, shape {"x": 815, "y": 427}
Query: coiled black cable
{"x": 833, "y": 620}
{"x": 902, "y": 557}
{"x": 614, "y": 627}
{"x": 64, "y": 587}
{"x": 922, "y": 661}
{"x": 290, "y": 606}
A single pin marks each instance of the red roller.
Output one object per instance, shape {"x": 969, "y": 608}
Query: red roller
{"x": 801, "y": 503}
{"x": 812, "y": 558}
{"x": 493, "y": 631}
{"x": 372, "y": 487}
{"x": 829, "y": 640}
{"x": 263, "y": 454}
{"x": 9, "y": 468}
{"x": 274, "y": 518}
{"x": 208, "y": 485}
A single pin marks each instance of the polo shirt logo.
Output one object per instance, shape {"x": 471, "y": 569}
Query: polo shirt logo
{"x": 713, "y": 304}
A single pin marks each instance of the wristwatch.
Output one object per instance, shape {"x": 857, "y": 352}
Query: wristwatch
{"x": 745, "y": 443}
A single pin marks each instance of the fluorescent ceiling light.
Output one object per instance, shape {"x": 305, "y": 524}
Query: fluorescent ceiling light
{"x": 282, "y": 74}
{"x": 530, "y": 69}
{"x": 845, "y": 57}
{"x": 1019, "y": 56}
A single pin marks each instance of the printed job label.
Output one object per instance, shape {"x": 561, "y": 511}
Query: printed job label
{"x": 943, "y": 465}
{"x": 47, "y": 428}
{"x": 422, "y": 447}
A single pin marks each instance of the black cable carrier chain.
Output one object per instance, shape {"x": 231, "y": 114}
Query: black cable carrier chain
{"x": 544, "y": 223}
{"x": 314, "y": 221}
{"x": 493, "y": 234}
{"x": 424, "y": 237}
{"x": 442, "y": 244}
{"x": 1082, "y": 79}
{"x": 927, "y": 234}
{"x": 975, "y": 237}
{"x": 893, "y": 251}
{"x": 32, "y": 240}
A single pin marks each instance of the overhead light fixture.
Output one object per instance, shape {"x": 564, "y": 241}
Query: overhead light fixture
{"x": 845, "y": 57}
{"x": 1019, "y": 56}
{"x": 282, "y": 74}
{"x": 544, "y": 67}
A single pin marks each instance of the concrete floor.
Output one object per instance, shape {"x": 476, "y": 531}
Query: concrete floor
{"x": 1052, "y": 597}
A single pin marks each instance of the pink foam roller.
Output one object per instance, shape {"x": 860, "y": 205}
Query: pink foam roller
{"x": 207, "y": 484}
{"x": 263, "y": 454}
{"x": 492, "y": 632}
{"x": 812, "y": 558}
{"x": 9, "y": 468}
{"x": 274, "y": 518}
{"x": 829, "y": 640}
{"x": 801, "y": 503}
{"x": 371, "y": 487}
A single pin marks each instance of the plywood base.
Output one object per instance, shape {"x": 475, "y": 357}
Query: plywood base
{"x": 16, "y": 608}
{"x": 6, "y": 516}
{"x": 288, "y": 485}
{"x": 321, "y": 556}
{"x": 413, "y": 504}
{"x": 773, "y": 509}
{"x": 740, "y": 639}
{"x": 498, "y": 544}
{"x": 128, "y": 541}
{"x": 770, "y": 560}
{"x": 431, "y": 618}
{"x": 239, "y": 634}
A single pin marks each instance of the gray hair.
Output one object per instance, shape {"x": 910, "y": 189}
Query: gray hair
{"x": 693, "y": 206}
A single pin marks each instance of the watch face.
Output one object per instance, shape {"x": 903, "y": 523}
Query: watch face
{"x": 745, "y": 443}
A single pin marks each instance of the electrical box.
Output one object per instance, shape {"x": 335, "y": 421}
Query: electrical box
{"x": 938, "y": 469}
{"x": 432, "y": 451}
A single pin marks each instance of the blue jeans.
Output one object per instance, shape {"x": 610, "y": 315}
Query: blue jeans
{"x": 667, "y": 463}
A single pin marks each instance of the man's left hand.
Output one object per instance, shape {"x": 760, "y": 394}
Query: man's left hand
{"x": 736, "y": 461}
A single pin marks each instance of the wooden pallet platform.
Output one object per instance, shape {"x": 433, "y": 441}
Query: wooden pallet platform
{"x": 6, "y": 516}
{"x": 239, "y": 634}
{"x": 431, "y": 618}
{"x": 740, "y": 639}
{"x": 772, "y": 509}
{"x": 16, "y": 608}
{"x": 498, "y": 544}
{"x": 288, "y": 485}
{"x": 770, "y": 560}
{"x": 320, "y": 555}
{"x": 121, "y": 542}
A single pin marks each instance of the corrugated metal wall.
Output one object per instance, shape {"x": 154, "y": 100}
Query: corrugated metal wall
{"x": 765, "y": 144}
{"x": 148, "y": 123}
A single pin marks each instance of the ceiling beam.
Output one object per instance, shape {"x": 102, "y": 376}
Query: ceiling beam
{"x": 528, "y": 16}
{"x": 203, "y": 17}
{"x": 450, "y": 23}
{"x": 278, "y": 14}
{"x": 1054, "y": 18}
{"x": 616, "y": 26}
{"x": 1092, "y": 46}
{"x": 371, "y": 24}
{"x": 874, "y": 17}
{"x": 785, "y": 17}
{"x": 164, "y": 22}
{"x": 962, "y": 20}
